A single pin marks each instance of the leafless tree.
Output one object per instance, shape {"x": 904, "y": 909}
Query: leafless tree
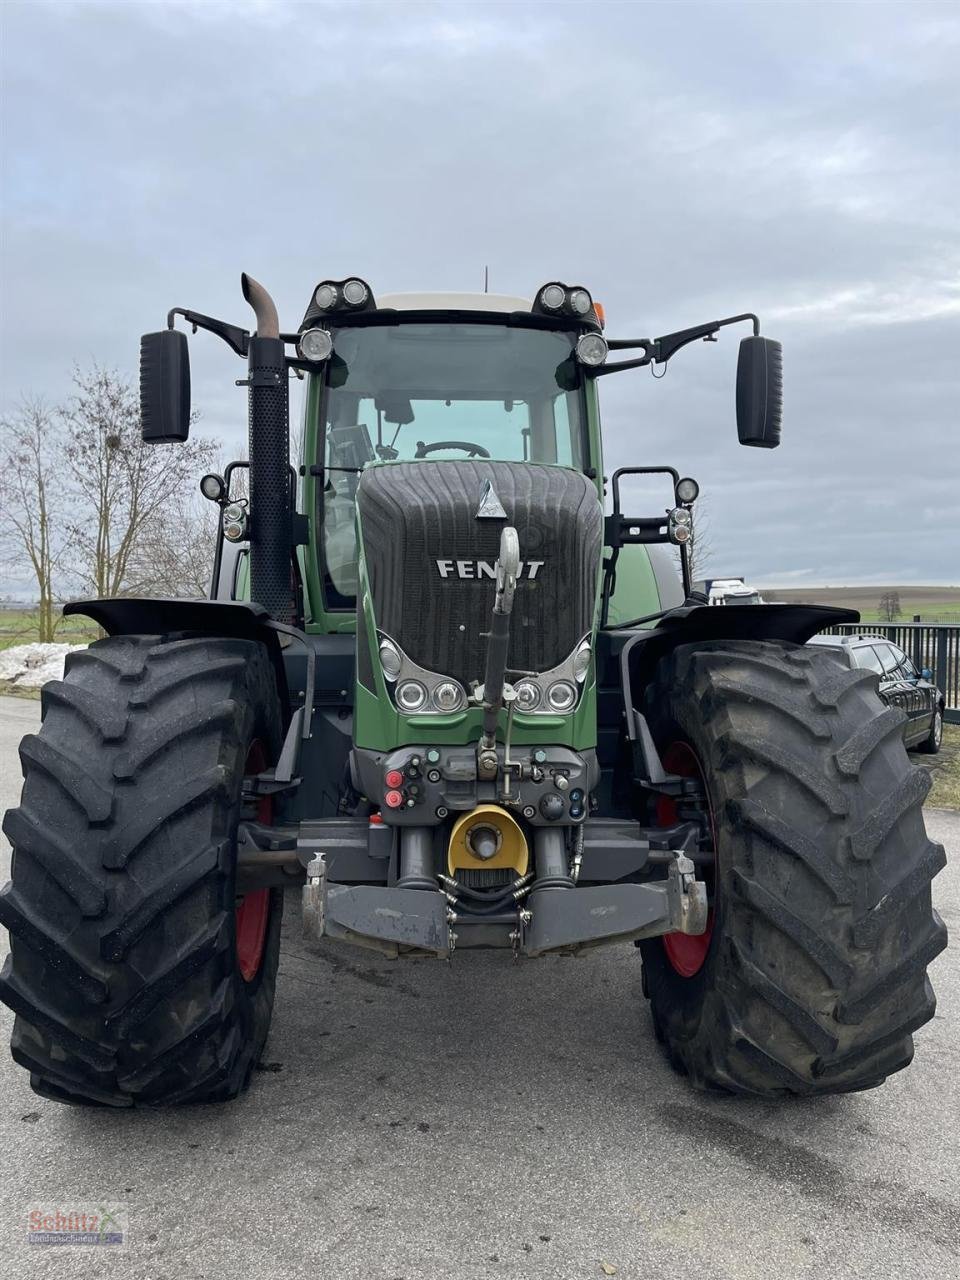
{"x": 32, "y": 504}
{"x": 889, "y": 606}
{"x": 175, "y": 557}
{"x": 128, "y": 496}
{"x": 700, "y": 549}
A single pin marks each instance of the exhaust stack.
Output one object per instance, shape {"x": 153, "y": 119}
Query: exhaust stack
{"x": 271, "y": 579}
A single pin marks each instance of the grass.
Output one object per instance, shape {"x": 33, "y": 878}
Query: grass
{"x": 19, "y": 626}
{"x": 931, "y": 603}
{"x": 945, "y": 769}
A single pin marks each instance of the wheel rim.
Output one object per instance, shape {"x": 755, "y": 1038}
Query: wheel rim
{"x": 685, "y": 952}
{"x": 937, "y": 729}
{"x": 253, "y": 909}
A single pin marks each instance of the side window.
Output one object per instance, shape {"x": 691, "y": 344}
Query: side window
{"x": 888, "y": 657}
{"x": 905, "y": 667}
{"x": 867, "y": 658}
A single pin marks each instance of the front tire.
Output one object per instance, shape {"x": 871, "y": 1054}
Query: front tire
{"x": 814, "y": 978}
{"x": 132, "y": 974}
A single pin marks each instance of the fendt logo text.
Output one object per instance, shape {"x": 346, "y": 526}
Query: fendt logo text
{"x": 473, "y": 569}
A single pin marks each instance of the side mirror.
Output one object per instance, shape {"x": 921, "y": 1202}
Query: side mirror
{"x": 759, "y": 392}
{"x": 926, "y": 674}
{"x": 164, "y": 387}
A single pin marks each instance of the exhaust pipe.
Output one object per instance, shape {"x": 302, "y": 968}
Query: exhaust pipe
{"x": 264, "y": 307}
{"x": 271, "y": 577}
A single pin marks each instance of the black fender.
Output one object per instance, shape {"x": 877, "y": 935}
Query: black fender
{"x": 146, "y": 615}
{"x": 690, "y": 625}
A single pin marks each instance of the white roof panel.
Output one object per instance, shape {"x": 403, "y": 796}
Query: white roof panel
{"x": 453, "y": 302}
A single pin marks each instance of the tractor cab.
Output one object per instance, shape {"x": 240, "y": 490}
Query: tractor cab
{"x": 431, "y": 377}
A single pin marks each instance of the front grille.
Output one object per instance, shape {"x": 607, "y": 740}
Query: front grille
{"x": 414, "y": 514}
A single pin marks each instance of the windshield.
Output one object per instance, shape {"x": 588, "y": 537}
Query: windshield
{"x": 420, "y": 391}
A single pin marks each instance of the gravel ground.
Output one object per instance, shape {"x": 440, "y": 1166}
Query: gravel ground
{"x": 483, "y": 1119}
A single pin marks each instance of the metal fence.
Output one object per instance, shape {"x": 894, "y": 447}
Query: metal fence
{"x": 931, "y": 645}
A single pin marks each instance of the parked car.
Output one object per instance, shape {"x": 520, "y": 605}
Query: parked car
{"x": 901, "y": 685}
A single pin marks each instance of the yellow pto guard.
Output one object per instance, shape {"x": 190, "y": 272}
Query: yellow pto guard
{"x": 487, "y": 838}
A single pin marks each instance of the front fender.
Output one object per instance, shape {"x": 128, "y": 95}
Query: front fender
{"x": 794, "y": 623}
{"x": 146, "y": 615}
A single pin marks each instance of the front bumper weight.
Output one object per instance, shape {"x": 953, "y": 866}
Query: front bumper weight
{"x": 374, "y": 916}
{"x": 563, "y": 918}
{"x": 388, "y": 919}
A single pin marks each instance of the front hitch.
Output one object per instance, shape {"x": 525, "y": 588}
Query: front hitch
{"x": 507, "y": 568}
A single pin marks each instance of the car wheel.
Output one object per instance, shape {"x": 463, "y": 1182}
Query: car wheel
{"x": 931, "y": 743}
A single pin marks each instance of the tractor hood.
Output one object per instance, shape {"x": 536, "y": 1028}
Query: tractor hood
{"x": 430, "y": 535}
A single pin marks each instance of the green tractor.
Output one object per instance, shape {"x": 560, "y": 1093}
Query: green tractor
{"x": 439, "y": 692}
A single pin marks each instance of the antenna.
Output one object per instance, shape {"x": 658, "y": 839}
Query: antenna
{"x": 486, "y": 279}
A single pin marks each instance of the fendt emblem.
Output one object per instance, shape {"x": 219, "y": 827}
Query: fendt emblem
{"x": 474, "y": 569}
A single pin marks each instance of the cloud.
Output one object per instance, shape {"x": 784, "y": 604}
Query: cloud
{"x": 685, "y": 161}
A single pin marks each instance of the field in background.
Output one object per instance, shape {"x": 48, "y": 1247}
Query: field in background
{"x": 933, "y": 604}
{"x": 19, "y": 626}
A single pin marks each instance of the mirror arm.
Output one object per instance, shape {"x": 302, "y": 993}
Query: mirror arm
{"x": 235, "y": 337}
{"x": 659, "y": 350}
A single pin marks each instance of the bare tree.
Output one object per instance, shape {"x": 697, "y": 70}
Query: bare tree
{"x": 700, "y": 548}
{"x": 127, "y": 494}
{"x": 31, "y": 504}
{"x": 175, "y": 558}
{"x": 889, "y": 606}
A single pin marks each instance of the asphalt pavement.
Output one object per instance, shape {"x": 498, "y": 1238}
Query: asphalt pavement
{"x": 427, "y": 1121}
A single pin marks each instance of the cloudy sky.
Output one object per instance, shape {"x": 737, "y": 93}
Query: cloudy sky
{"x": 684, "y": 161}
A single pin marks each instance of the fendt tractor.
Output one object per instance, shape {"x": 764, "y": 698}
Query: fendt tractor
{"x": 436, "y": 690}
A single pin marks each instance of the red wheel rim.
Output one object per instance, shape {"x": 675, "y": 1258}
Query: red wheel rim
{"x": 686, "y": 952}
{"x": 253, "y": 909}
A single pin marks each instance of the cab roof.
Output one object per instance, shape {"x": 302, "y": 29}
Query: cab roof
{"x": 502, "y": 302}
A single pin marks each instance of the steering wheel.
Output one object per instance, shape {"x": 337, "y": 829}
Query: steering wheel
{"x": 471, "y": 450}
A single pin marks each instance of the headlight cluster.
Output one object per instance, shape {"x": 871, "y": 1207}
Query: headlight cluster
{"x": 342, "y": 295}
{"x": 680, "y": 525}
{"x": 561, "y": 299}
{"x": 554, "y": 693}
{"x": 413, "y": 697}
{"x": 419, "y": 692}
{"x": 416, "y": 691}
{"x": 234, "y": 521}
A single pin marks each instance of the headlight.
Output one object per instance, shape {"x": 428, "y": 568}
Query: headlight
{"x": 355, "y": 293}
{"x": 315, "y": 344}
{"x": 687, "y": 489}
{"x": 581, "y": 661}
{"x": 390, "y": 659}
{"x": 679, "y": 525}
{"x": 562, "y": 696}
{"x": 411, "y": 695}
{"x": 234, "y": 522}
{"x": 553, "y": 296}
{"x": 580, "y": 302}
{"x": 528, "y": 695}
{"x": 448, "y": 696}
{"x": 326, "y": 296}
{"x": 592, "y": 349}
{"x": 213, "y": 486}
